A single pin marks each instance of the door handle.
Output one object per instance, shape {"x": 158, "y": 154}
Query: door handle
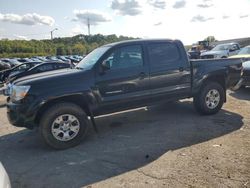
{"x": 181, "y": 69}
{"x": 142, "y": 75}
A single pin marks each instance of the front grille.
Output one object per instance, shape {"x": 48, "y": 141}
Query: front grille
{"x": 207, "y": 57}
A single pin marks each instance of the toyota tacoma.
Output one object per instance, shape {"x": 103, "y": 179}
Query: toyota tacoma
{"x": 116, "y": 77}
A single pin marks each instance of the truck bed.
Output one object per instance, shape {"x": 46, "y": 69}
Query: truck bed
{"x": 203, "y": 68}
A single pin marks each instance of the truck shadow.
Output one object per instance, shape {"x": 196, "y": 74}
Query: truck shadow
{"x": 125, "y": 142}
{"x": 242, "y": 94}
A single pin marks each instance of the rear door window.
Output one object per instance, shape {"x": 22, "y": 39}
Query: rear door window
{"x": 163, "y": 54}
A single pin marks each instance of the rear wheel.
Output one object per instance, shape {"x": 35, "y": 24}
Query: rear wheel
{"x": 63, "y": 125}
{"x": 210, "y": 98}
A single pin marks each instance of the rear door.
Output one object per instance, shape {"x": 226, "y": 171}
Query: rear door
{"x": 169, "y": 72}
{"x": 126, "y": 83}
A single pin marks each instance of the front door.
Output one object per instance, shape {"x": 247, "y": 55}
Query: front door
{"x": 126, "y": 83}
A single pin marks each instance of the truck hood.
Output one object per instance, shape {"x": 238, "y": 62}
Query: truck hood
{"x": 50, "y": 77}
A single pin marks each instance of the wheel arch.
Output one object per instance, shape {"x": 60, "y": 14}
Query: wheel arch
{"x": 76, "y": 99}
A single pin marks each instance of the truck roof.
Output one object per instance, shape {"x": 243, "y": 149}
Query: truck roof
{"x": 139, "y": 40}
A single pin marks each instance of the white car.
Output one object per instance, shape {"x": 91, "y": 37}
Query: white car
{"x": 4, "y": 178}
{"x": 221, "y": 51}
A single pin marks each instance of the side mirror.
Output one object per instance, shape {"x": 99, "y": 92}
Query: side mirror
{"x": 105, "y": 65}
{"x": 231, "y": 49}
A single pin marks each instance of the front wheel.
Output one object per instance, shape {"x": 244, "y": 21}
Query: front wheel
{"x": 63, "y": 125}
{"x": 210, "y": 98}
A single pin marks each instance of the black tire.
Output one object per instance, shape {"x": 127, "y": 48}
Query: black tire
{"x": 51, "y": 115}
{"x": 200, "y": 99}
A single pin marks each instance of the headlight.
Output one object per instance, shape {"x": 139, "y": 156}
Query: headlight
{"x": 18, "y": 92}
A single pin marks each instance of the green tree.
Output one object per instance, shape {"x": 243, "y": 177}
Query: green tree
{"x": 60, "y": 50}
{"x": 78, "y": 49}
{"x": 210, "y": 39}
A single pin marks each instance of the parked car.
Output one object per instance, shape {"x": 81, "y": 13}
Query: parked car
{"x": 194, "y": 52}
{"x": 12, "y": 62}
{"x": 39, "y": 68}
{"x": 4, "y": 66}
{"x": 116, "y": 77}
{"x": 53, "y": 58}
{"x": 25, "y": 60}
{"x": 65, "y": 60}
{"x": 73, "y": 59}
{"x": 4, "y": 178}
{"x": 246, "y": 74}
{"x": 221, "y": 51}
{"x": 42, "y": 58}
{"x": 17, "y": 69}
{"x": 243, "y": 53}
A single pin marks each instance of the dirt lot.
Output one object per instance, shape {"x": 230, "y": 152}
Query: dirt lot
{"x": 161, "y": 146}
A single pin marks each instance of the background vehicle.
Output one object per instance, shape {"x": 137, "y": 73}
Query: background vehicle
{"x": 12, "y": 62}
{"x": 243, "y": 53}
{"x": 197, "y": 49}
{"x": 116, "y": 77}
{"x": 221, "y": 51}
{"x": 17, "y": 69}
{"x": 4, "y": 178}
{"x": 194, "y": 52}
{"x": 65, "y": 60}
{"x": 53, "y": 58}
{"x": 246, "y": 74}
{"x": 42, "y": 67}
{"x": 4, "y": 66}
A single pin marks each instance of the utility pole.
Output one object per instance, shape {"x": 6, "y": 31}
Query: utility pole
{"x": 51, "y": 33}
{"x": 88, "y": 23}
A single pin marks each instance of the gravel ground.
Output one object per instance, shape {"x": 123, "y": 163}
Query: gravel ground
{"x": 160, "y": 146}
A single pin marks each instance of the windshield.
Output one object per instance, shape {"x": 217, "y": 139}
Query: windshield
{"x": 245, "y": 50}
{"x": 89, "y": 61}
{"x": 221, "y": 47}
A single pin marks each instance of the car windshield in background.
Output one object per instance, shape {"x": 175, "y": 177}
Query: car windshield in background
{"x": 245, "y": 50}
{"x": 89, "y": 61}
{"x": 221, "y": 48}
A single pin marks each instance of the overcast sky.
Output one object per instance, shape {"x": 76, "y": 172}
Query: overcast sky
{"x": 187, "y": 20}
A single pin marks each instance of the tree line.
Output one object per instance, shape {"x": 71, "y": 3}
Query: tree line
{"x": 77, "y": 45}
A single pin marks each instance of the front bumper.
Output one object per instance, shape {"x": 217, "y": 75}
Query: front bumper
{"x": 19, "y": 116}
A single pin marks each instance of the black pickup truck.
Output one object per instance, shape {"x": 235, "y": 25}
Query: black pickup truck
{"x": 116, "y": 77}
